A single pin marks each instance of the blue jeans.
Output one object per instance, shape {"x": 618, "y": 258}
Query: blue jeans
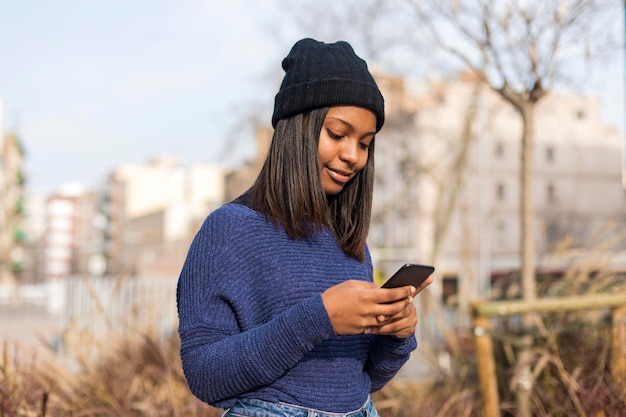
{"x": 259, "y": 408}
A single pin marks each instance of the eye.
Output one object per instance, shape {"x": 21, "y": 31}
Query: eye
{"x": 334, "y": 135}
{"x": 366, "y": 144}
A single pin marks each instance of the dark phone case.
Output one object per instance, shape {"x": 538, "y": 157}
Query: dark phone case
{"x": 409, "y": 274}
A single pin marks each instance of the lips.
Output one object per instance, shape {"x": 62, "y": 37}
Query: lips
{"x": 340, "y": 176}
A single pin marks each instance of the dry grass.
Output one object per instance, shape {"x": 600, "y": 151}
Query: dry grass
{"x": 134, "y": 378}
{"x": 571, "y": 353}
{"x": 442, "y": 398}
{"x": 142, "y": 376}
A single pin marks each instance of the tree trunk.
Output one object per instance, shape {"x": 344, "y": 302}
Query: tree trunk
{"x": 523, "y": 385}
{"x": 527, "y": 237}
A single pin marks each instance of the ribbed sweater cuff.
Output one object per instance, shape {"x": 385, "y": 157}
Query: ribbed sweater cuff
{"x": 397, "y": 346}
{"x": 309, "y": 321}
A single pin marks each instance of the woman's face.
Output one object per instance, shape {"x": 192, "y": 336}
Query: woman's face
{"x": 344, "y": 145}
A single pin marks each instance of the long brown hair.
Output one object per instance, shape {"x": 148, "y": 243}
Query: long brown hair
{"x": 289, "y": 189}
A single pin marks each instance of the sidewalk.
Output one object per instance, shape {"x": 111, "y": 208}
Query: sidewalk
{"x": 27, "y": 326}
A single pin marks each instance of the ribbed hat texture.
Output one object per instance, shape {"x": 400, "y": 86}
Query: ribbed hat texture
{"x": 321, "y": 74}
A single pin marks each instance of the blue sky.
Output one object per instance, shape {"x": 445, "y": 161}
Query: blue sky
{"x": 89, "y": 85}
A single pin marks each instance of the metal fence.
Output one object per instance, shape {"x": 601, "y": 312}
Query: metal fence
{"x": 107, "y": 307}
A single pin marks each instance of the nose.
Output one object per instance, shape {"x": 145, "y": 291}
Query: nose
{"x": 349, "y": 152}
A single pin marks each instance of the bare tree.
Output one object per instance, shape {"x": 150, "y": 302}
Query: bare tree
{"x": 520, "y": 49}
{"x": 378, "y": 29}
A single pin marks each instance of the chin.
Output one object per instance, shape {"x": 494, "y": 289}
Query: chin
{"x": 333, "y": 190}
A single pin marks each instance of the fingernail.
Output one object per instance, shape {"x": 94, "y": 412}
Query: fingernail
{"x": 380, "y": 318}
{"x": 367, "y": 330}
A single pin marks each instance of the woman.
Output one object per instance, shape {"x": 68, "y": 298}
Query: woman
{"x": 278, "y": 311}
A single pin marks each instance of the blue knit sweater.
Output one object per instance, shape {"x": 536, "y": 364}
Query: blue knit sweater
{"x": 252, "y": 323}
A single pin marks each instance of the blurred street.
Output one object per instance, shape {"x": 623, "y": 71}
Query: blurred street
{"x": 30, "y": 327}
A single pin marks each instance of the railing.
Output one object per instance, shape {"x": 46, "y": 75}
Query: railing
{"x": 482, "y": 312}
{"x": 107, "y": 307}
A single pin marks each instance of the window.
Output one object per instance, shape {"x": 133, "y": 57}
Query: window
{"x": 60, "y": 223}
{"x": 57, "y": 268}
{"x": 59, "y": 253}
{"x": 59, "y": 238}
{"x": 61, "y": 208}
{"x": 549, "y": 154}
{"x": 500, "y": 191}
{"x": 501, "y": 233}
{"x": 551, "y": 194}
{"x": 499, "y": 150}
{"x": 553, "y": 233}
{"x": 450, "y": 290}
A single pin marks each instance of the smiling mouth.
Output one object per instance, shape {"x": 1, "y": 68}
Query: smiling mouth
{"x": 341, "y": 177}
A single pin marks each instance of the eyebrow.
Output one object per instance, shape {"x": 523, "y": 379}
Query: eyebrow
{"x": 351, "y": 127}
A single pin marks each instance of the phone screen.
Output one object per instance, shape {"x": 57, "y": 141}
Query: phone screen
{"x": 409, "y": 274}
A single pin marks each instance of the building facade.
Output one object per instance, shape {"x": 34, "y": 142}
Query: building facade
{"x": 447, "y": 191}
{"x": 151, "y": 212}
{"x": 239, "y": 180}
{"x": 68, "y": 243}
{"x": 12, "y": 209}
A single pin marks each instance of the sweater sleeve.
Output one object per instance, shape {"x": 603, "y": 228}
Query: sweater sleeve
{"x": 387, "y": 354}
{"x": 220, "y": 360}
{"x": 386, "y": 357}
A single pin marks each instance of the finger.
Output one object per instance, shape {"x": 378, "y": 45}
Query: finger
{"x": 424, "y": 285}
{"x": 409, "y": 313}
{"x": 392, "y": 312}
{"x": 401, "y": 327}
{"x": 390, "y": 295}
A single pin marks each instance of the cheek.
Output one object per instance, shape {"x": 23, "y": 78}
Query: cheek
{"x": 325, "y": 150}
{"x": 363, "y": 161}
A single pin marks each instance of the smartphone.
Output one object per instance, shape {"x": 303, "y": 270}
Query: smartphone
{"x": 409, "y": 274}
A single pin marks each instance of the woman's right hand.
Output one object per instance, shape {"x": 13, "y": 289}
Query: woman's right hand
{"x": 356, "y": 307}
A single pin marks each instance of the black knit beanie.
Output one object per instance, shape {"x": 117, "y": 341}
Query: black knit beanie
{"x": 321, "y": 74}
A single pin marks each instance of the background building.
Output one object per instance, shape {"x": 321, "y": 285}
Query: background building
{"x": 69, "y": 235}
{"x": 240, "y": 179}
{"x": 447, "y": 188}
{"x": 152, "y": 211}
{"x": 446, "y": 193}
{"x": 12, "y": 235}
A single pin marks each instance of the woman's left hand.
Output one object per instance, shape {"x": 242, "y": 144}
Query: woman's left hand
{"x": 401, "y": 325}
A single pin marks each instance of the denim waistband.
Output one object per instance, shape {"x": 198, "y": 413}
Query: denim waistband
{"x": 259, "y": 408}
